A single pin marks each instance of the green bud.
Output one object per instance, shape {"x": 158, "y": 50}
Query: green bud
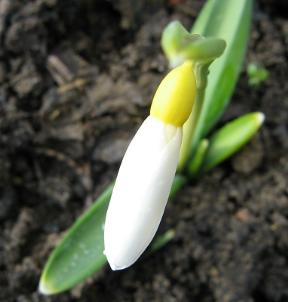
{"x": 179, "y": 45}
{"x": 230, "y": 138}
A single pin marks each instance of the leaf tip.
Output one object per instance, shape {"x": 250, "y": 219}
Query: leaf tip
{"x": 45, "y": 289}
{"x": 260, "y": 118}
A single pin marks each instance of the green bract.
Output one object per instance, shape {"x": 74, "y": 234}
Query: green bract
{"x": 179, "y": 45}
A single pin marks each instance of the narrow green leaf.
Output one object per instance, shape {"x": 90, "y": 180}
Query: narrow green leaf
{"x": 80, "y": 253}
{"x": 161, "y": 240}
{"x": 230, "y": 21}
{"x": 230, "y": 138}
{"x": 197, "y": 160}
{"x": 178, "y": 183}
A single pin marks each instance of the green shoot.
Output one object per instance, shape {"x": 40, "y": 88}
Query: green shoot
{"x": 220, "y": 23}
{"x": 256, "y": 74}
{"x": 231, "y": 138}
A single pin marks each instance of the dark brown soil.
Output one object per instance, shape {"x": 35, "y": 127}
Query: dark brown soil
{"x": 76, "y": 80}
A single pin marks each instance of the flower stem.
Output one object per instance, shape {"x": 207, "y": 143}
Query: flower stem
{"x": 190, "y": 139}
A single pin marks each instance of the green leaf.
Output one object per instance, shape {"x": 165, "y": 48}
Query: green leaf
{"x": 230, "y": 138}
{"x": 178, "y": 182}
{"x": 197, "y": 160}
{"x": 161, "y": 240}
{"x": 230, "y": 21}
{"x": 80, "y": 253}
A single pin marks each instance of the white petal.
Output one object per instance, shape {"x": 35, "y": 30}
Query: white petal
{"x": 141, "y": 192}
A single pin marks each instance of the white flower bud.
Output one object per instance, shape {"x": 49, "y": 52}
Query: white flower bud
{"x": 141, "y": 191}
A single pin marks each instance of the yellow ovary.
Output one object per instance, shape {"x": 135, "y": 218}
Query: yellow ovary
{"x": 174, "y": 98}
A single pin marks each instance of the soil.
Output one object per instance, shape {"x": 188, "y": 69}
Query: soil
{"x": 77, "y": 79}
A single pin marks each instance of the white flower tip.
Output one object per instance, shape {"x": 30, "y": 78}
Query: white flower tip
{"x": 141, "y": 192}
{"x": 117, "y": 262}
{"x": 115, "y": 267}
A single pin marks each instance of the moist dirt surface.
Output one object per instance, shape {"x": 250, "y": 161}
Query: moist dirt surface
{"x": 76, "y": 80}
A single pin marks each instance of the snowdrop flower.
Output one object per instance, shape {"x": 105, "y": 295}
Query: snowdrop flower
{"x": 147, "y": 171}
